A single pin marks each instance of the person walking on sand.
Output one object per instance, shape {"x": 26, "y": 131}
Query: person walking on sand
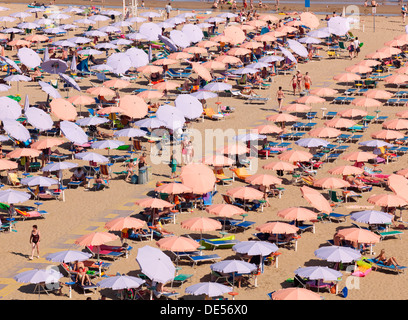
{"x": 35, "y": 238}
{"x": 356, "y": 43}
{"x": 293, "y": 83}
{"x": 168, "y": 10}
{"x": 403, "y": 12}
{"x": 279, "y": 96}
{"x": 173, "y": 166}
{"x": 308, "y": 81}
{"x": 299, "y": 78}
{"x": 190, "y": 152}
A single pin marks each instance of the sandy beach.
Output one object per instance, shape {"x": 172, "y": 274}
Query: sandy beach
{"x": 83, "y": 211}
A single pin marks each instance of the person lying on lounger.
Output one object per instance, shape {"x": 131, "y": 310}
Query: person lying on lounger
{"x": 78, "y": 175}
{"x": 390, "y": 261}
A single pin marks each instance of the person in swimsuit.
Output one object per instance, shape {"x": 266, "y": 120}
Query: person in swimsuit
{"x": 35, "y": 241}
{"x": 307, "y": 80}
{"x": 293, "y": 82}
{"x": 299, "y": 78}
{"x": 391, "y": 261}
{"x": 130, "y": 169}
{"x": 403, "y": 12}
{"x": 279, "y": 96}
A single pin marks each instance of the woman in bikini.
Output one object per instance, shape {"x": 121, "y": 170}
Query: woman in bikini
{"x": 391, "y": 261}
{"x": 279, "y": 96}
{"x": 35, "y": 241}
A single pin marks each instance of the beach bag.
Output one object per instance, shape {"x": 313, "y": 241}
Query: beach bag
{"x": 134, "y": 179}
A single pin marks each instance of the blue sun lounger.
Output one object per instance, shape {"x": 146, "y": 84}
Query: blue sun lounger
{"x": 214, "y": 244}
{"x": 204, "y": 258}
{"x": 381, "y": 265}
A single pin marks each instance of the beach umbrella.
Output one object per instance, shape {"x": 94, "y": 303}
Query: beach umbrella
{"x": 8, "y": 165}
{"x": 268, "y": 129}
{"x": 217, "y": 86}
{"x": 49, "y": 89}
{"x": 238, "y": 51}
{"x": 234, "y": 149}
{"x": 375, "y": 144}
{"x": 101, "y": 91}
{"x": 80, "y": 40}
{"x": 173, "y": 188}
{"x": 214, "y": 65}
{"x": 263, "y": 180}
{"x": 150, "y": 14}
{"x": 54, "y": 66}
{"x": 121, "y": 223}
{"x": 245, "y": 193}
{"x": 331, "y": 183}
{"x": 295, "y": 294}
{"x": 29, "y": 57}
{"x": 37, "y": 276}
{"x": 253, "y": 136}
{"x": 396, "y": 124}
{"x": 340, "y": 25}
{"x": 121, "y": 282}
{"x": 217, "y": 161}
{"x": 265, "y": 38}
{"x": 282, "y": 117}
{"x": 366, "y": 102}
{"x": 122, "y": 42}
{"x": 17, "y": 78}
{"x": 156, "y": 265}
{"x": 92, "y": 157}
{"x": 68, "y": 256}
{"x": 310, "y": 99}
{"x": 233, "y": 266}
{"x": 104, "y": 45}
{"x": 63, "y": 43}
{"x": 340, "y": 123}
{"x": 133, "y": 106}
{"x": 319, "y": 273}
{"x": 359, "y": 235}
{"x": 399, "y": 185}
{"x": 224, "y": 210}
{"x": 73, "y": 132}
{"x": 207, "y": 44}
{"x": 4, "y": 87}
{"x": 178, "y": 244}
{"x": 201, "y": 71}
{"x": 255, "y": 248}
{"x": 295, "y": 156}
{"x": 38, "y": 118}
{"x": 95, "y": 239}
{"x": 210, "y": 289}
{"x": 277, "y": 228}
{"x": 338, "y": 254}
{"x": 201, "y": 224}
{"x": 116, "y": 83}
{"x": 346, "y": 170}
{"x": 397, "y": 79}
{"x": 180, "y": 38}
{"x": 95, "y": 33}
{"x": 57, "y": 166}
{"x": 171, "y": 116}
{"x": 11, "y": 63}
{"x": 387, "y": 135}
{"x": 358, "y": 68}
{"x": 324, "y": 92}
{"x": 245, "y": 70}
{"x": 150, "y": 30}
{"x": 9, "y": 109}
{"x": 268, "y": 17}
{"x": 107, "y": 144}
{"x": 359, "y": 156}
{"x": 190, "y": 107}
{"x": 297, "y": 48}
{"x": 347, "y": 77}
{"x": 135, "y": 19}
{"x": 325, "y": 132}
{"x": 280, "y": 165}
{"x": 403, "y": 172}
{"x": 136, "y": 36}
{"x": 130, "y": 132}
{"x": 23, "y": 152}
{"x": 387, "y": 200}
{"x": 316, "y": 199}
{"x": 154, "y": 203}
{"x": 85, "y": 21}
{"x": 228, "y": 59}
{"x": 369, "y": 63}
{"x": 288, "y": 54}
{"x": 199, "y": 177}
{"x": 309, "y": 20}
{"x": 63, "y": 109}
{"x": 11, "y": 196}
{"x": 203, "y": 95}
{"x": 372, "y": 217}
{"x": 298, "y": 214}
{"x": 352, "y": 113}
{"x": 312, "y": 142}
{"x": 46, "y": 143}
{"x": 11, "y": 30}
{"x": 16, "y": 130}
{"x": 90, "y": 52}
{"x": 390, "y": 50}
{"x": 39, "y": 181}
{"x": 251, "y": 45}
{"x": 119, "y": 62}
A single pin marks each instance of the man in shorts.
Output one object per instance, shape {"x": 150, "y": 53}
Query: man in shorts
{"x": 308, "y": 81}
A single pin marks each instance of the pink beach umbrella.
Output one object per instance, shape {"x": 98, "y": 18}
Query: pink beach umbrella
{"x": 121, "y": 223}
{"x": 387, "y": 200}
{"x": 387, "y": 135}
{"x": 346, "y": 170}
{"x": 378, "y": 94}
{"x": 340, "y": 123}
{"x": 173, "y": 188}
{"x": 359, "y": 156}
{"x": 177, "y": 244}
{"x": 396, "y": 124}
{"x": 295, "y": 294}
{"x": 352, "y": 113}
{"x": 325, "y": 132}
{"x": 277, "y": 228}
{"x": 316, "y": 199}
{"x": 331, "y": 183}
{"x": 295, "y": 156}
{"x": 96, "y": 239}
{"x": 297, "y": 213}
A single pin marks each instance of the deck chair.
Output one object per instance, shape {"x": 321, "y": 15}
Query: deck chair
{"x": 86, "y": 289}
{"x": 195, "y": 259}
{"x": 105, "y": 253}
{"x": 380, "y": 265}
{"x": 215, "y": 243}
{"x": 221, "y": 177}
{"x": 237, "y": 225}
{"x": 42, "y": 196}
{"x": 30, "y": 214}
{"x": 334, "y": 217}
{"x": 211, "y": 114}
{"x": 105, "y": 171}
{"x": 181, "y": 278}
{"x": 137, "y": 146}
{"x": 240, "y": 173}
{"x": 13, "y": 179}
{"x": 334, "y": 199}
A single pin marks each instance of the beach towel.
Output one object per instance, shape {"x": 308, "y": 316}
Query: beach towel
{"x": 83, "y": 66}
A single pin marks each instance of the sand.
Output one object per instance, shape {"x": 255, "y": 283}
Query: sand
{"x": 85, "y": 211}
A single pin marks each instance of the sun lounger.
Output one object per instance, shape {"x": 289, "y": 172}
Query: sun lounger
{"x": 381, "y": 265}
{"x": 140, "y": 236}
{"x": 239, "y": 224}
{"x": 106, "y": 252}
{"x": 195, "y": 259}
{"x": 86, "y": 289}
{"x": 31, "y": 214}
{"x": 334, "y": 217}
{"x": 312, "y": 284}
{"x": 181, "y": 278}
{"x": 387, "y": 234}
{"x": 74, "y": 183}
{"x": 215, "y": 243}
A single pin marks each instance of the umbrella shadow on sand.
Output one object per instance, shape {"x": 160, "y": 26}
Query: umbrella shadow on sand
{"x": 315, "y": 262}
